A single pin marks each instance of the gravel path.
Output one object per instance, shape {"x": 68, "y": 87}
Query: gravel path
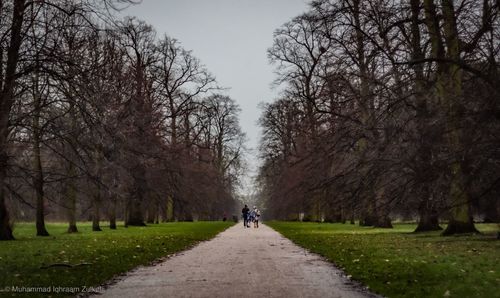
{"x": 239, "y": 262}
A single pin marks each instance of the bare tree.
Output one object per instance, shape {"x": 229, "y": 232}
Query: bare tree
{"x": 390, "y": 112}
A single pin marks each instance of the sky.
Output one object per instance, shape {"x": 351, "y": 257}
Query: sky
{"x": 231, "y": 38}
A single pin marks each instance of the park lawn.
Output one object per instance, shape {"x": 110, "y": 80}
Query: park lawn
{"x": 398, "y": 263}
{"x": 107, "y": 253}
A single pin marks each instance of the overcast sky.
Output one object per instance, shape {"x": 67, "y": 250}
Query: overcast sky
{"x": 231, "y": 38}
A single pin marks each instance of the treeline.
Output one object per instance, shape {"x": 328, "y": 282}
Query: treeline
{"x": 101, "y": 118}
{"x": 389, "y": 109}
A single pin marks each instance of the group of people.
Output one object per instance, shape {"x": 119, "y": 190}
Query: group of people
{"x": 250, "y": 216}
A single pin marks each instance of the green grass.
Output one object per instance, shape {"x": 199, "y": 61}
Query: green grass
{"x": 109, "y": 252}
{"x": 398, "y": 263}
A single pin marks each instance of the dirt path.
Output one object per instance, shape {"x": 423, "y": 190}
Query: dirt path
{"x": 239, "y": 263}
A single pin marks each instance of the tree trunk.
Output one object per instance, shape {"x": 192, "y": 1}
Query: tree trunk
{"x": 428, "y": 217}
{"x": 96, "y": 203}
{"x": 71, "y": 205}
{"x": 134, "y": 214}
{"x": 169, "y": 216}
{"x": 459, "y": 225}
{"x": 71, "y": 192}
{"x": 38, "y": 181}
{"x": 6, "y": 101}
{"x": 5, "y": 224}
{"x": 368, "y": 215}
{"x": 367, "y": 220}
{"x": 157, "y": 217}
{"x": 450, "y": 91}
{"x": 135, "y": 217}
{"x": 383, "y": 222}
{"x": 112, "y": 213}
{"x": 382, "y": 210}
{"x": 134, "y": 205}
{"x": 449, "y": 94}
{"x": 125, "y": 213}
{"x": 112, "y": 221}
{"x": 71, "y": 198}
{"x": 428, "y": 220}
{"x": 151, "y": 211}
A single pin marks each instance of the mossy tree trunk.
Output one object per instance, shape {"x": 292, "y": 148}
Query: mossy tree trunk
{"x": 450, "y": 92}
{"x": 169, "y": 213}
{"x": 447, "y": 49}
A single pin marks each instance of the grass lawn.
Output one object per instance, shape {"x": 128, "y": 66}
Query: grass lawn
{"x": 398, "y": 263}
{"x": 104, "y": 254}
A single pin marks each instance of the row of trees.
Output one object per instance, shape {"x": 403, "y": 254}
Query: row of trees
{"x": 100, "y": 116}
{"x": 389, "y": 109}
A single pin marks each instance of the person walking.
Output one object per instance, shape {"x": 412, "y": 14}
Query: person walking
{"x": 251, "y": 217}
{"x": 245, "y": 212}
{"x": 256, "y": 213}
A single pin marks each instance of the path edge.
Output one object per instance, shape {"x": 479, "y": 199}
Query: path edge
{"x": 355, "y": 284}
{"x": 121, "y": 276}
